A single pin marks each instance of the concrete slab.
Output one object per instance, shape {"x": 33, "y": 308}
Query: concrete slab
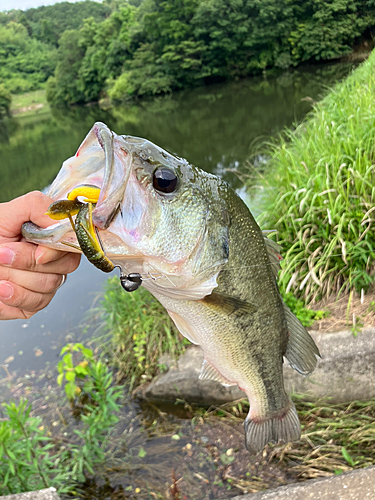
{"x": 345, "y": 373}
{"x": 354, "y": 485}
{"x": 48, "y": 494}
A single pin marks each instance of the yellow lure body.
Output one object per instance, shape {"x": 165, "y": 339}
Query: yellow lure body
{"x": 91, "y": 193}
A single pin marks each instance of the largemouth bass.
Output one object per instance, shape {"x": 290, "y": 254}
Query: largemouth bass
{"x": 207, "y": 261}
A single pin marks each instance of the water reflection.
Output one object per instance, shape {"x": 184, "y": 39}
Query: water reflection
{"x": 214, "y": 127}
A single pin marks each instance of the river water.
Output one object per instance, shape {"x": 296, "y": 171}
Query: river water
{"x": 216, "y": 128}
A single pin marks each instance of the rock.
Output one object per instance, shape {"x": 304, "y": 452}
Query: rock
{"x": 48, "y": 494}
{"x": 345, "y": 372}
{"x": 354, "y": 485}
{"x": 181, "y": 382}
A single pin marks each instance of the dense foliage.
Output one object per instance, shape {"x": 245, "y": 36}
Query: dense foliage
{"x": 133, "y": 48}
{"x": 48, "y": 23}
{"x": 320, "y": 192}
{"x": 167, "y": 45}
{"x": 28, "y": 41}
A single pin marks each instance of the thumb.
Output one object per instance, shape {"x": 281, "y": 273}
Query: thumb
{"x": 29, "y": 207}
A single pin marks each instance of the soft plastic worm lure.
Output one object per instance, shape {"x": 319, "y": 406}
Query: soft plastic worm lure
{"x": 87, "y": 235}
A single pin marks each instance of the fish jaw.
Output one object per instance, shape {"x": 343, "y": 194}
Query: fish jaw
{"x": 100, "y": 161}
{"x": 59, "y": 236}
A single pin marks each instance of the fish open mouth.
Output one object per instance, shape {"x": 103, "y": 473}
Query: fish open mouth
{"x": 102, "y": 161}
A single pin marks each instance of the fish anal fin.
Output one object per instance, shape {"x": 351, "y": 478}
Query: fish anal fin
{"x": 229, "y": 304}
{"x": 183, "y": 327}
{"x": 301, "y": 350}
{"x": 209, "y": 372}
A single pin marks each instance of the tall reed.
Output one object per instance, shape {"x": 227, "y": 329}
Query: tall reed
{"x": 320, "y": 191}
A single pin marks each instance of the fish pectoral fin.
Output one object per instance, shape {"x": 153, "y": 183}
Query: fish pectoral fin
{"x": 301, "y": 350}
{"x": 183, "y": 327}
{"x": 209, "y": 372}
{"x": 274, "y": 253}
{"x": 229, "y": 304}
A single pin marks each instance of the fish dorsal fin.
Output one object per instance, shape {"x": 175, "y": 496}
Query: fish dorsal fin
{"x": 273, "y": 250}
{"x": 209, "y": 372}
{"x": 229, "y": 304}
{"x": 183, "y": 327}
{"x": 301, "y": 350}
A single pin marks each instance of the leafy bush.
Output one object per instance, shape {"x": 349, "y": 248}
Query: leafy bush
{"x": 306, "y": 316}
{"x": 30, "y": 459}
{"x": 320, "y": 192}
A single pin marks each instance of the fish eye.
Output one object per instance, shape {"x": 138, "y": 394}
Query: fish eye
{"x": 164, "y": 180}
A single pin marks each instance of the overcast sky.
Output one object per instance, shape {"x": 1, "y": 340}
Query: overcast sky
{"x": 27, "y": 4}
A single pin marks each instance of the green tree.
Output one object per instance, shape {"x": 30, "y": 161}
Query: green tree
{"x": 90, "y": 57}
{"x": 25, "y": 63}
{"x": 328, "y": 29}
{"x": 66, "y": 86}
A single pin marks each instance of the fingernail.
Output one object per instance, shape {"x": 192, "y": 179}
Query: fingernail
{"x": 6, "y": 291}
{"x": 39, "y": 254}
{"x": 6, "y": 256}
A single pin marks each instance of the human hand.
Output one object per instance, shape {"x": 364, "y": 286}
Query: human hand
{"x": 29, "y": 274}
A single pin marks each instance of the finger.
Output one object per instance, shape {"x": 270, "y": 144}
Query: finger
{"x": 36, "y": 282}
{"x": 8, "y": 312}
{"x": 16, "y": 296}
{"x": 30, "y": 207}
{"x": 43, "y": 255}
{"x": 22, "y": 255}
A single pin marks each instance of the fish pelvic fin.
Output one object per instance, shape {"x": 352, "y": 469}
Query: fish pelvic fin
{"x": 284, "y": 426}
{"x": 301, "y": 350}
{"x": 209, "y": 372}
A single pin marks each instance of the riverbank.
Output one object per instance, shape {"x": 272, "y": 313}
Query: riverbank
{"x": 29, "y": 103}
{"x": 165, "y": 451}
{"x": 319, "y": 193}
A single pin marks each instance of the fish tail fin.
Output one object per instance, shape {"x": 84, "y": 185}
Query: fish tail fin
{"x": 284, "y": 426}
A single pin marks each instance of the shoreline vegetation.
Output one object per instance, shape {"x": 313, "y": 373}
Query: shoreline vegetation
{"x": 126, "y": 49}
{"x": 319, "y": 193}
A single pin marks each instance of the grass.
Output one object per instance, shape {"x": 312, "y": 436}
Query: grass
{"x": 320, "y": 192}
{"x": 29, "y": 103}
{"x": 137, "y": 331}
{"x": 31, "y": 458}
{"x": 335, "y": 437}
